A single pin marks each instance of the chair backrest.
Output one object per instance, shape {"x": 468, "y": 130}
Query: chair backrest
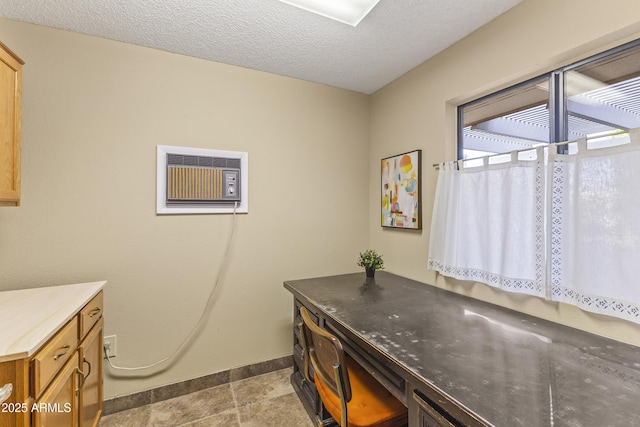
{"x": 327, "y": 357}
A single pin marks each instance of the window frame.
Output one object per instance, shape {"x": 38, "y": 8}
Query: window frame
{"x": 558, "y": 114}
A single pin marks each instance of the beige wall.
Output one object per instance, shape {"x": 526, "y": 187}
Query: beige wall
{"x": 94, "y": 111}
{"x": 418, "y": 111}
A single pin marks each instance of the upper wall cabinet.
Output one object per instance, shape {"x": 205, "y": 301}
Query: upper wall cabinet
{"x": 10, "y": 116}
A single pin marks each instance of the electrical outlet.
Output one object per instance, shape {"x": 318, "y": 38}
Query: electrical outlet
{"x": 109, "y": 343}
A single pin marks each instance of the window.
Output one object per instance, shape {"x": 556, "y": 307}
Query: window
{"x": 597, "y": 98}
{"x": 564, "y": 219}
{"x": 563, "y": 226}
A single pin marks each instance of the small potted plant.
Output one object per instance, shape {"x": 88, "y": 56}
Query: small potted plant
{"x": 371, "y": 261}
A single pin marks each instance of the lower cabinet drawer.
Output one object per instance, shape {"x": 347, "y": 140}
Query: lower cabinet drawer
{"x": 90, "y": 314}
{"x": 308, "y": 389}
{"x": 430, "y": 416}
{"x": 313, "y": 316}
{"x": 50, "y": 359}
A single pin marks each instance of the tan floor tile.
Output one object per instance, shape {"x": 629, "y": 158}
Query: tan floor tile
{"x": 280, "y": 411}
{"x": 225, "y": 419}
{"x": 192, "y": 407}
{"x": 262, "y": 387}
{"x": 261, "y": 401}
{"x": 136, "y": 417}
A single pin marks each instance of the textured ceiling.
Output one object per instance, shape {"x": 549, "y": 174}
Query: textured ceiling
{"x": 272, "y": 36}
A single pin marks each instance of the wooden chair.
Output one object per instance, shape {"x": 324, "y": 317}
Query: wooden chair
{"x": 349, "y": 393}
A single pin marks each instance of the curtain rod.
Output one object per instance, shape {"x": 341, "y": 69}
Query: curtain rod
{"x": 555, "y": 144}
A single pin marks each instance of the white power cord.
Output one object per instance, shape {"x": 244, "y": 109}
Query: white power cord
{"x": 105, "y": 349}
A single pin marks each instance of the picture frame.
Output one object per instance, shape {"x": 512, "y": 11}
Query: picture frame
{"x": 401, "y": 195}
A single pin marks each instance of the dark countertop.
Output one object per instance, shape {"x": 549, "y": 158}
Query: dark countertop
{"x": 509, "y": 368}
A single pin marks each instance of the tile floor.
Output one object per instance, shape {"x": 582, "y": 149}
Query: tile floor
{"x": 262, "y": 401}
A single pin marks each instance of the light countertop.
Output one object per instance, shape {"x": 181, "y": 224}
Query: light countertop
{"x": 29, "y": 317}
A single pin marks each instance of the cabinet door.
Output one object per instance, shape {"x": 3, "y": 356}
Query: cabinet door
{"x": 10, "y": 111}
{"x": 91, "y": 366}
{"x": 58, "y": 405}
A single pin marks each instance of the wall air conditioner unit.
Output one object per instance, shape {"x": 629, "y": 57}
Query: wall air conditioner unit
{"x": 197, "y": 180}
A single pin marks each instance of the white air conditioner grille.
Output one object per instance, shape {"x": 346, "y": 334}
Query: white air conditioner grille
{"x": 201, "y": 181}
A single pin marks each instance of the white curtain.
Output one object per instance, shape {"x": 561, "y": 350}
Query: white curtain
{"x": 566, "y": 228}
{"x": 595, "y": 229}
{"x": 488, "y": 224}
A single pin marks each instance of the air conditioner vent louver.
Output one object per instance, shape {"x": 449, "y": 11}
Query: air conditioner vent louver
{"x": 205, "y": 162}
{"x": 216, "y": 162}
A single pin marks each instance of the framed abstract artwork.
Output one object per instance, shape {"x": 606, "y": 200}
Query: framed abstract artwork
{"x": 401, "y": 198}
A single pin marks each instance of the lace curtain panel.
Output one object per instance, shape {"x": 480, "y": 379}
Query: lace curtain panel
{"x": 488, "y": 225}
{"x": 595, "y": 229}
{"x": 566, "y": 228}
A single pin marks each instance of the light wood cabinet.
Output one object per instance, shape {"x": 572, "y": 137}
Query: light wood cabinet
{"x": 61, "y": 383}
{"x": 10, "y": 126}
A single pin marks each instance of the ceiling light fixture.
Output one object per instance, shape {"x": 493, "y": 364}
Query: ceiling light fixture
{"x": 347, "y": 11}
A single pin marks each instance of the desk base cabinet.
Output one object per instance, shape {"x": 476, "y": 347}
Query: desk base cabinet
{"x": 457, "y": 361}
{"x": 306, "y": 390}
{"x": 425, "y": 405}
